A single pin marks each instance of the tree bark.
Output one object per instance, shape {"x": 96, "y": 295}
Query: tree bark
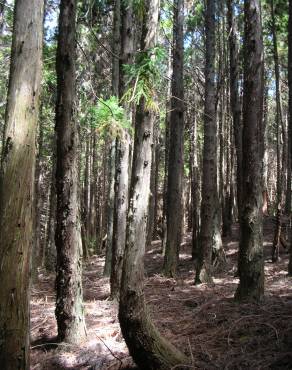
{"x": 234, "y": 98}
{"x": 69, "y": 307}
{"x": 174, "y": 200}
{"x": 251, "y": 262}
{"x": 210, "y": 238}
{"x": 290, "y": 107}
{"x": 17, "y": 183}
{"x": 122, "y": 156}
{"x": 149, "y": 350}
{"x": 279, "y": 126}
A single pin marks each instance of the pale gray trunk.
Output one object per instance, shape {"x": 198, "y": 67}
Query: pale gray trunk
{"x": 17, "y": 183}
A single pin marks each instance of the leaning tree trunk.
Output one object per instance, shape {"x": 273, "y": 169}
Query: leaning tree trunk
{"x": 69, "y": 308}
{"x": 149, "y": 350}
{"x": 210, "y": 238}
{"x": 251, "y": 262}
{"x": 17, "y": 184}
{"x": 174, "y": 201}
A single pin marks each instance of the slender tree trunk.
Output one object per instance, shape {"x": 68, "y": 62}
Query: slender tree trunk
{"x": 93, "y": 193}
{"x": 210, "y": 238}
{"x": 279, "y": 127}
{"x": 120, "y": 215}
{"x": 17, "y": 183}
{"x": 290, "y": 107}
{"x": 234, "y": 98}
{"x": 2, "y": 11}
{"x": 50, "y": 249}
{"x": 122, "y": 156}
{"x": 110, "y": 209}
{"x": 69, "y": 306}
{"x": 195, "y": 191}
{"x": 174, "y": 199}
{"x": 251, "y": 262}
{"x": 153, "y": 187}
{"x": 149, "y": 350}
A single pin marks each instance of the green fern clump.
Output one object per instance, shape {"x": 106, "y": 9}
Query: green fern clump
{"x": 144, "y": 77}
{"x": 108, "y": 117}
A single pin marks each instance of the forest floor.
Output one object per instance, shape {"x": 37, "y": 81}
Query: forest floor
{"x": 203, "y": 321}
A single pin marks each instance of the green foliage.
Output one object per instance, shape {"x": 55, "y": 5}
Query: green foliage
{"x": 144, "y": 77}
{"x": 108, "y": 117}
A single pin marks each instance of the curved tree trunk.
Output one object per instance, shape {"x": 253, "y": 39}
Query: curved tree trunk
{"x": 69, "y": 308}
{"x": 17, "y": 184}
{"x": 149, "y": 350}
{"x": 251, "y": 262}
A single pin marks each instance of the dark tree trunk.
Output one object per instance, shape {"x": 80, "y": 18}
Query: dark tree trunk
{"x": 279, "y": 126}
{"x": 174, "y": 210}
{"x": 110, "y": 208}
{"x": 290, "y": 105}
{"x": 251, "y": 262}
{"x": 50, "y": 249}
{"x": 17, "y": 183}
{"x": 69, "y": 307}
{"x": 2, "y": 11}
{"x": 149, "y": 350}
{"x": 210, "y": 238}
{"x": 234, "y": 98}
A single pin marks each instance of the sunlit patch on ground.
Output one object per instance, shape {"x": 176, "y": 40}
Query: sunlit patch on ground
{"x": 203, "y": 321}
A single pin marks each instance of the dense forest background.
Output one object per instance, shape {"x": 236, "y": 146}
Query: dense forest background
{"x": 145, "y": 132}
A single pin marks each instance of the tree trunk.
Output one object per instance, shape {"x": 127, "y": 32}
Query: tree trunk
{"x": 17, "y": 183}
{"x": 50, "y": 249}
{"x": 110, "y": 209}
{"x": 210, "y": 238}
{"x": 122, "y": 157}
{"x": 174, "y": 200}
{"x": 120, "y": 214}
{"x": 234, "y": 98}
{"x": 290, "y": 108}
{"x": 2, "y": 11}
{"x": 149, "y": 350}
{"x": 195, "y": 176}
{"x": 69, "y": 307}
{"x": 279, "y": 126}
{"x": 251, "y": 262}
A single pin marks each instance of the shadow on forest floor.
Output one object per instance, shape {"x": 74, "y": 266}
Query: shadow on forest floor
{"x": 203, "y": 321}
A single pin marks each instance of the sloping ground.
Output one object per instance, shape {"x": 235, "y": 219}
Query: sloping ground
{"x": 203, "y": 321}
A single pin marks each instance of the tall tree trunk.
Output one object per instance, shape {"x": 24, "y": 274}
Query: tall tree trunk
{"x": 210, "y": 238}
{"x": 122, "y": 156}
{"x": 110, "y": 208}
{"x": 279, "y": 126}
{"x": 50, "y": 249}
{"x": 153, "y": 186}
{"x": 251, "y": 262}
{"x": 290, "y": 106}
{"x": 195, "y": 190}
{"x": 2, "y": 11}
{"x": 149, "y": 350}
{"x": 69, "y": 307}
{"x": 17, "y": 183}
{"x": 234, "y": 98}
{"x": 174, "y": 212}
